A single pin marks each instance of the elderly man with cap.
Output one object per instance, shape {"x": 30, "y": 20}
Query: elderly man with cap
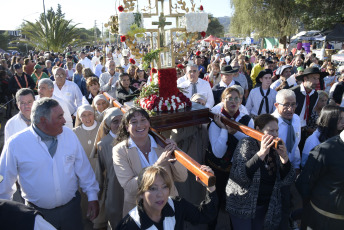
{"x": 46, "y": 89}
{"x": 261, "y": 99}
{"x": 227, "y": 74}
{"x": 284, "y": 72}
{"x": 25, "y": 98}
{"x": 110, "y": 189}
{"x": 20, "y": 80}
{"x": 67, "y": 90}
{"x": 306, "y": 97}
{"x": 50, "y": 165}
{"x": 38, "y": 74}
{"x": 196, "y": 85}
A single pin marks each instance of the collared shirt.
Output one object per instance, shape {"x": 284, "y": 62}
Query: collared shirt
{"x": 117, "y": 58}
{"x": 294, "y": 155}
{"x": 255, "y": 98}
{"x": 104, "y": 82}
{"x": 98, "y": 70}
{"x": 66, "y": 113}
{"x": 222, "y": 84}
{"x": 218, "y": 137}
{"x": 14, "y": 125}
{"x": 302, "y": 114}
{"x": 242, "y": 80}
{"x": 182, "y": 79}
{"x": 152, "y": 156}
{"x": 47, "y": 182}
{"x": 86, "y": 63}
{"x": 71, "y": 94}
{"x": 311, "y": 142}
{"x": 203, "y": 87}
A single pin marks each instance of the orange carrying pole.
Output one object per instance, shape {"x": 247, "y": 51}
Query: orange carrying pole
{"x": 193, "y": 166}
{"x": 245, "y": 129}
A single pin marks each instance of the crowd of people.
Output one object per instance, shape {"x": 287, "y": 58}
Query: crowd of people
{"x": 71, "y": 157}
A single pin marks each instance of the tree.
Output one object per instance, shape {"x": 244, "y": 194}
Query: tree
{"x": 319, "y": 14}
{"x": 56, "y": 35}
{"x": 267, "y": 18}
{"x": 214, "y": 27}
{"x": 4, "y": 40}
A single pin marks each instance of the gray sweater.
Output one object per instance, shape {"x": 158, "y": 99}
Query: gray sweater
{"x": 242, "y": 192}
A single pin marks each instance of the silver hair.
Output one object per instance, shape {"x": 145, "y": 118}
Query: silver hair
{"x": 239, "y": 88}
{"x": 47, "y": 61}
{"x": 42, "y": 108}
{"x": 107, "y": 64}
{"x": 192, "y": 65}
{"x": 283, "y": 94}
{"x": 24, "y": 92}
{"x": 47, "y": 82}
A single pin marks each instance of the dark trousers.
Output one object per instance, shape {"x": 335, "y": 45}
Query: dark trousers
{"x": 65, "y": 217}
{"x": 221, "y": 183}
{"x": 257, "y": 223}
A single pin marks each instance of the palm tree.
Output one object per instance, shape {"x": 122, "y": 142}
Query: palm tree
{"x": 56, "y": 33}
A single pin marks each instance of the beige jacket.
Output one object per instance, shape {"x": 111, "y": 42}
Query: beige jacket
{"x": 127, "y": 166}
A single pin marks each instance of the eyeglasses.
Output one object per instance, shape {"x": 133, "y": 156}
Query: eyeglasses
{"x": 235, "y": 99}
{"x": 59, "y": 75}
{"x": 292, "y": 105}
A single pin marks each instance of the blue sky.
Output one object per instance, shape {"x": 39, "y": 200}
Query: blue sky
{"x": 85, "y": 11}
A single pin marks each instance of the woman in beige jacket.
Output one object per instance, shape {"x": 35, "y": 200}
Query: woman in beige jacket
{"x": 136, "y": 149}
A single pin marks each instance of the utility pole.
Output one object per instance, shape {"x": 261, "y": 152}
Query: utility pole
{"x": 46, "y": 26}
{"x": 95, "y": 31}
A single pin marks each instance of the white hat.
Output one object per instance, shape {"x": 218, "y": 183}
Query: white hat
{"x": 84, "y": 108}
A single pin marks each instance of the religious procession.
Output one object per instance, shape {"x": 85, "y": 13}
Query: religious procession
{"x": 173, "y": 126}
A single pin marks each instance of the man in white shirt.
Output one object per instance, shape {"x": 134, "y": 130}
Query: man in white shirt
{"x": 289, "y": 125}
{"x": 227, "y": 74}
{"x": 95, "y": 59}
{"x": 108, "y": 79}
{"x": 46, "y": 89}
{"x": 196, "y": 85}
{"x": 50, "y": 164}
{"x": 67, "y": 90}
{"x": 117, "y": 56}
{"x": 125, "y": 64}
{"x": 86, "y": 63}
{"x": 25, "y": 98}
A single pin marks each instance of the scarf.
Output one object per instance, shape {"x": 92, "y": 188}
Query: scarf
{"x": 265, "y": 97}
{"x": 49, "y": 141}
{"x": 226, "y": 114}
{"x": 27, "y": 121}
{"x": 290, "y": 135}
{"x": 26, "y": 83}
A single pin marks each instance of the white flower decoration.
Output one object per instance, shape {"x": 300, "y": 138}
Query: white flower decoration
{"x": 125, "y": 20}
{"x": 196, "y": 22}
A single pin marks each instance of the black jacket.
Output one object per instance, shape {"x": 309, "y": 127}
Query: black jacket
{"x": 123, "y": 95}
{"x": 322, "y": 179}
{"x": 300, "y": 98}
{"x": 183, "y": 210}
{"x": 14, "y": 87}
{"x": 338, "y": 93}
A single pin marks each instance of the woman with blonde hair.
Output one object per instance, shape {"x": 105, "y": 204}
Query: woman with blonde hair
{"x": 157, "y": 210}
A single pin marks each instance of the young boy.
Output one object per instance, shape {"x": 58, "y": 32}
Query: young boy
{"x": 261, "y": 99}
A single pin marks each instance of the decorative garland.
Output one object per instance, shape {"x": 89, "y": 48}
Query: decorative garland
{"x": 153, "y": 55}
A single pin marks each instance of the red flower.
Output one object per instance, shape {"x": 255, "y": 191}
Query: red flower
{"x": 163, "y": 107}
{"x": 201, "y": 8}
{"x": 120, "y": 8}
{"x": 153, "y": 70}
{"x": 198, "y": 53}
{"x": 132, "y": 61}
{"x": 180, "y": 66}
{"x": 203, "y": 34}
{"x": 123, "y": 38}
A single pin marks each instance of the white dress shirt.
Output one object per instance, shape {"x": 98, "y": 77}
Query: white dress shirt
{"x": 152, "y": 156}
{"x": 66, "y": 114}
{"x": 182, "y": 79}
{"x": 254, "y": 99}
{"x": 14, "y": 125}
{"x": 125, "y": 67}
{"x": 47, "y": 182}
{"x": 98, "y": 70}
{"x": 218, "y": 137}
{"x": 86, "y": 63}
{"x": 311, "y": 142}
{"x": 95, "y": 60}
{"x": 71, "y": 94}
{"x": 104, "y": 82}
{"x": 294, "y": 155}
{"x": 302, "y": 114}
{"x": 117, "y": 58}
{"x": 203, "y": 87}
